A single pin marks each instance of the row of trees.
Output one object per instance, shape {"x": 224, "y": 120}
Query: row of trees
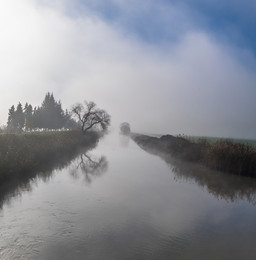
{"x": 49, "y": 115}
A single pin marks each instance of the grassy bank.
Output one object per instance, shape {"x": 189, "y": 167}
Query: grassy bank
{"x": 228, "y": 156}
{"x": 21, "y": 154}
{"x": 212, "y": 140}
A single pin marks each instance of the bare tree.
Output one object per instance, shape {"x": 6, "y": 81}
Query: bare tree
{"x": 90, "y": 116}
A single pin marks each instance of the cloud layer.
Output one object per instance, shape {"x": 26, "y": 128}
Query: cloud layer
{"x": 189, "y": 82}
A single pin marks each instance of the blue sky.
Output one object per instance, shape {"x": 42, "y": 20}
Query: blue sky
{"x": 165, "y": 66}
{"x": 232, "y": 21}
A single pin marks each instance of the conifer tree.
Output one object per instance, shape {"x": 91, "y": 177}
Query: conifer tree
{"x": 52, "y": 114}
{"x": 19, "y": 117}
{"x": 37, "y": 118}
{"x": 28, "y": 112}
{"x": 70, "y": 123}
{"x": 49, "y": 115}
{"x": 11, "y": 123}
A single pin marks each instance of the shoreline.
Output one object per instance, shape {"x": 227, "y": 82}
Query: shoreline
{"x": 224, "y": 155}
{"x": 28, "y": 153}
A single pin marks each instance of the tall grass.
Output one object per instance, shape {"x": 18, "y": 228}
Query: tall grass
{"x": 232, "y": 157}
{"x": 23, "y": 153}
{"x": 223, "y": 155}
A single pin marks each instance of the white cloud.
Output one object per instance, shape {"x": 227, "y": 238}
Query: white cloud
{"x": 32, "y": 45}
{"x": 195, "y": 86}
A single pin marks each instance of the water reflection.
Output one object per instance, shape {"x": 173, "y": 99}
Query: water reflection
{"x": 15, "y": 187}
{"x": 89, "y": 166}
{"x": 124, "y": 140}
{"x": 222, "y": 185}
{"x": 24, "y": 182}
{"x": 134, "y": 212}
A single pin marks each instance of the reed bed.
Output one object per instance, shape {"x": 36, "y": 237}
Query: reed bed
{"x": 223, "y": 155}
{"x": 26, "y": 152}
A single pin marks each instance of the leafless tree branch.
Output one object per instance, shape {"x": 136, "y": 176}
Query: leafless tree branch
{"x": 89, "y": 116}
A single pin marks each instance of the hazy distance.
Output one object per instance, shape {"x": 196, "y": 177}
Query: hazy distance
{"x": 163, "y": 66}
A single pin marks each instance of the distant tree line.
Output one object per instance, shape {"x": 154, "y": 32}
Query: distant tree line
{"x": 50, "y": 115}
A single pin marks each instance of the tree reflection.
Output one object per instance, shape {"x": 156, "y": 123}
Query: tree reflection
{"x": 89, "y": 166}
{"x": 124, "y": 140}
{"x": 26, "y": 181}
{"x": 222, "y": 185}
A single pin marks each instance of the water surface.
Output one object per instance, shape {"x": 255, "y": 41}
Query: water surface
{"x": 120, "y": 202}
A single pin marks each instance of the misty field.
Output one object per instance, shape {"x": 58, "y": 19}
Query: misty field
{"x": 27, "y": 152}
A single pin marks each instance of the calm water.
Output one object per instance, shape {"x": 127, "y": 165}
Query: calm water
{"x": 120, "y": 202}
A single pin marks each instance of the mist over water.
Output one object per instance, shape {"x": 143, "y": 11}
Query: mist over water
{"x": 166, "y": 67}
{"x": 125, "y": 203}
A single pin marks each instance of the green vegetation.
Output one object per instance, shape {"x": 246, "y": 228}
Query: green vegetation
{"x": 223, "y": 155}
{"x": 35, "y": 138}
{"x": 49, "y": 115}
{"x": 21, "y": 154}
{"x": 212, "y": 140}
{"x": 231, "y": 157}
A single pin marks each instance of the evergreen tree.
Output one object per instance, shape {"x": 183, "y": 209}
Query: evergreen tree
{"x": 52, "y": 114}
{"x": 36, "y": 119}
{"x": 11, "y": 123}
{"x": 19, "y": 117}
{"x": 28, "y": 112}
{"x": 49, "y": 115}
{"x": 70, "y": 123}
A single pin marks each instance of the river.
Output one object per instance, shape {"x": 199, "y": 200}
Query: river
{"x": 120, "y": 202}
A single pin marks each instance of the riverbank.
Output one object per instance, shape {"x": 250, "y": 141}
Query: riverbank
{"x": 21, "y": 154}
{"x": 224, "y": 155}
